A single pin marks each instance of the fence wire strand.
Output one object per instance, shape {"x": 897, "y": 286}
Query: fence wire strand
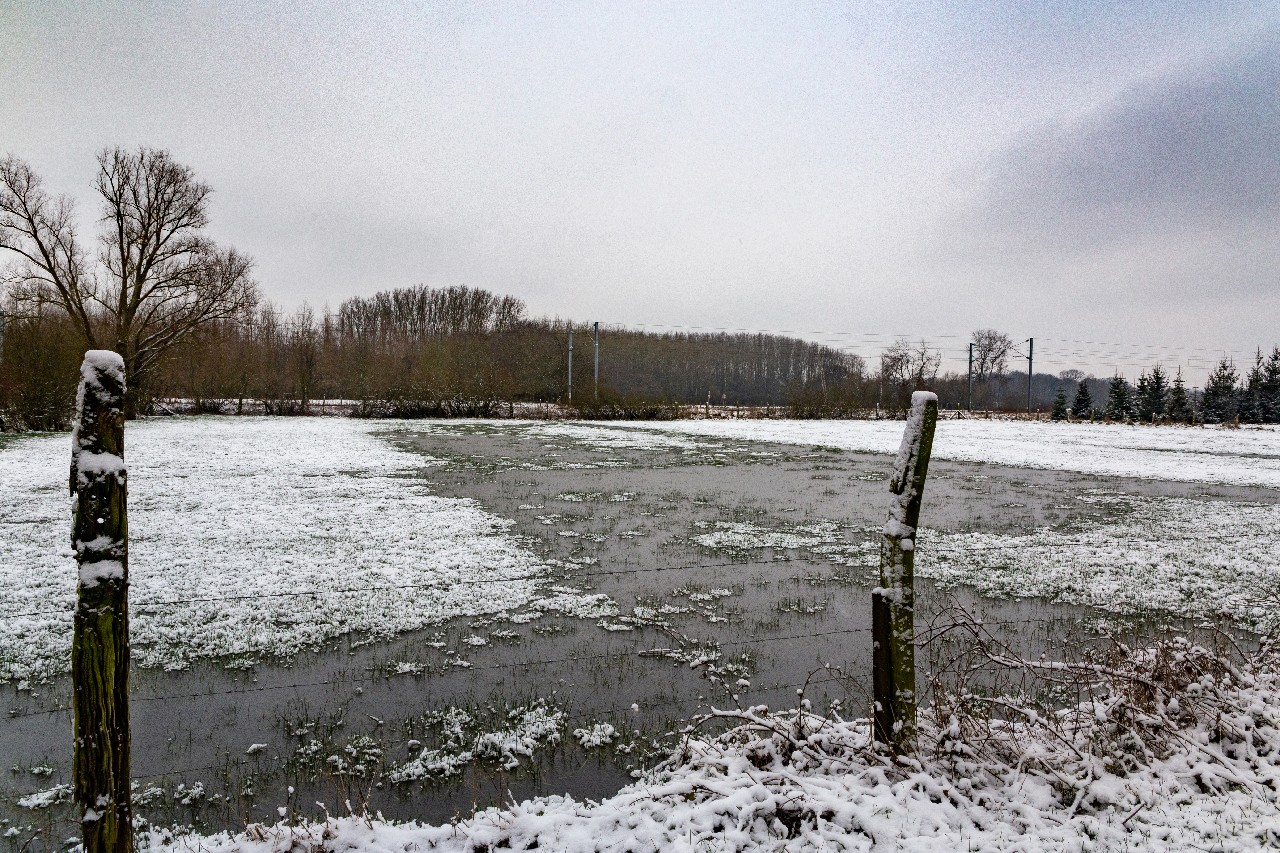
{"x": 383, "y": 675}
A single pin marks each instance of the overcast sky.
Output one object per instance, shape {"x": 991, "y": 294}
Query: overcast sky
{"x": 1100, "y": 172}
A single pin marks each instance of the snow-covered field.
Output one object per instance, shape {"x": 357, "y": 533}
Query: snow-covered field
{"x": 254, "y": 537}
{"x": 1249, "y": 456}
{"x": 232, "y": 518}
{"x": 1201, "y": 559}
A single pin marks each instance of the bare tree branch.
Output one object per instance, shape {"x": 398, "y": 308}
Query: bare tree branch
{"x": 909, "y": 367}
{"x": 40, "y": 231}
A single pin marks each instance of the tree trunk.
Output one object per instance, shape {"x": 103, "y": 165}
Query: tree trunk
{"x": 100, "y": 643}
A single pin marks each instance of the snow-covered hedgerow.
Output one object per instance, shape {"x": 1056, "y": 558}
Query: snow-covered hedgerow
{"x": 1176, "y": 749}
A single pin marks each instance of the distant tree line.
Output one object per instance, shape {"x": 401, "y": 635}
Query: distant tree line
{"x": 459, "y": 351}
{"x": 1154, "y": 399}
{"x": 429, "y": 352}
{"x": 1227, "y": 397}
{"x": 189, "y": 322}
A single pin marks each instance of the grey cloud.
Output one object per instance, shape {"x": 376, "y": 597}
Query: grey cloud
{"x": 1195, "y": 151}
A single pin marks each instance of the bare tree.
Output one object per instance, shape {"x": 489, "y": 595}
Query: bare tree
{"x": 990, "y": 353}
{"x": 910, "y": 364}
{"x": 908, "y": 367}
{"x": 156, "y": 278}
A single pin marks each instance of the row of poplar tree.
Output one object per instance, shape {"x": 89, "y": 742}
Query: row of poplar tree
{"x": 1227, "y": 396}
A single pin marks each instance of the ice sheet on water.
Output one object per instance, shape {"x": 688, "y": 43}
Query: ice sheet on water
{"x": 745, "y": 535}
{"x": 616, "y": 438}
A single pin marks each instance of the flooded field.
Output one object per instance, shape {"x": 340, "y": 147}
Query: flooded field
{"x": 703, "y": 572}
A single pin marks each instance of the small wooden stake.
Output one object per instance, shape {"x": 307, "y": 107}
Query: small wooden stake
{"x": 100, "y": 644}
{"x": 893, "y": 602}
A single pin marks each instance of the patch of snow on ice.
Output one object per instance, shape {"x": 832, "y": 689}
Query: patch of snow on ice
{"x": 44, "y": 799}
{"x": 527, "y": 729}
{"x": 617, "y": 438}
{"x": 744, "y": 535}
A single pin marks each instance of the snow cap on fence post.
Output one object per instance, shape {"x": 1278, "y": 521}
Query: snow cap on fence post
{"x": 893, "y": 601}
{"x": 100, "y": 639}
{"x": 99, "y": 530}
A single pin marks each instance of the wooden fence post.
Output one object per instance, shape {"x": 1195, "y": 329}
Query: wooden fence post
{"x": 100, "y": 644}
{"x": 893, "y": 602}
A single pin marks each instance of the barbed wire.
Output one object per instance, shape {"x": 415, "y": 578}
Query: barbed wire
{"x": 690, "y": 643}
{"x": 384, "y": 675}
{"x": 584, "y": 715}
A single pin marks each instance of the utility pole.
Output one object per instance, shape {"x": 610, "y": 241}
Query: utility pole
{"x": 1031, "y": 348}
{"x": 596, "y": 327}
{"x": 570, "y": 362}
{"x": 971, "y": 376}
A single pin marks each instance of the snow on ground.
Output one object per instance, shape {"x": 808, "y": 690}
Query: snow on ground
{"x": 1136, "y": 555}
{"x": 1175, "y": 556}
{"x": 738, "y": 536}
{"x": 607, "y": 438}
{"x": 1247, "y": 457}
{"x": 526, "y": 729}
{"x": 292, "y": 504}
{"x": 230, "y": 517}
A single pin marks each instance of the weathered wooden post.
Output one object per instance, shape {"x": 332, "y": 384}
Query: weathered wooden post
{"x": 100, "y": 644}
{"x": 893, "y": 602}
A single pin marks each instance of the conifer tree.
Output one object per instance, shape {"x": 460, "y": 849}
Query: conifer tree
{"x": 1059, "y": 406}
{"x": 1271, "y": 388}
{"x": 1252, "y": 403}
{"x": 1082, "y": 405}
{"x": 1119, "y": 399}
{"x": 1179, "y": 405}
{"x": 1153, "y": 393}
{"x": 1140, "y": 395}
{"x": 1221, "y": 397}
